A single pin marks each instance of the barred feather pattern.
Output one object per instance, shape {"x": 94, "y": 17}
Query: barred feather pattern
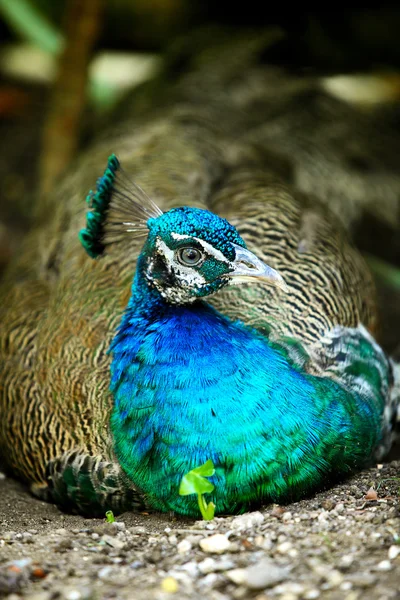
{"x": 59, "y": 309}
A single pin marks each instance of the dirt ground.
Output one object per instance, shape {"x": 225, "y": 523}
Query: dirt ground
{"x": 342, "y": 544}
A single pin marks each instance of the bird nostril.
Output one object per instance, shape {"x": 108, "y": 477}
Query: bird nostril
{"x": 249, "y": 265}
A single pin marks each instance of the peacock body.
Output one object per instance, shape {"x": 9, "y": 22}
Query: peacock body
{"x": 111, "y": 395}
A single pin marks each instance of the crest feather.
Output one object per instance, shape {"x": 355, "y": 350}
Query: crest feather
{"x": 119, "y": 211}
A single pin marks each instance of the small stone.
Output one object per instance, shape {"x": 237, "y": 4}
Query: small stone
{"x": 277, "y": 511}
{"x": 38, "y": 573}
{"x": 393, "y": 552}
{"x": 334, "y": 577}
{"x": 14, "y": 575}
{"x": 311, "y": 594}
{"x": 63, "y": 545}
{"x": 215, "y": 544}
{"x": 384, "y": 565}
{"x": 339, "y": 508}
{"x": 265, "y": 574}
{"x": 247, "y": 521}
{"x": 173, "y": 539}
{"x": 104, "y": 529}
{"x": 169, "y": 585}
{"x": 72, "y": 595}
{"x": 210, "y": 580}
{"x": 238, "y": 576}
{"x": 362, "y": 580}
{"x": 346, "y": 561}
{"x": 139, "y": 530}
{"x": 191, "y": 568}
{"x": 287, "y": 516}
{"x": 194, "y": 539}
{"x": 105, "y": 573}
{"x": 346, "y": 586}
{"x": 291, "y": 587}
{"x": 210, "y": 565}
{"x": 284, "y": 547}
{"x": 259, "y": 540}
{"x": 328, "y": 504}
{"x": 113, "y": 542}
{"x": 184, "y": 546}
{"x": 371, "y": 494}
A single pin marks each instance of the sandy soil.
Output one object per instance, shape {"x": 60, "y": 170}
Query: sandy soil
{"x": 342, "y": 544}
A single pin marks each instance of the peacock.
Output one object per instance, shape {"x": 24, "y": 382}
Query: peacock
{"x": 212, "y": 308}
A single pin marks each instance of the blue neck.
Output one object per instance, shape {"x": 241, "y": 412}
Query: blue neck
{"x": 190, "y": 385}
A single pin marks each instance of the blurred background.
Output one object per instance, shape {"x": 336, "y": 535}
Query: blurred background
{"x": 67, "y": 65}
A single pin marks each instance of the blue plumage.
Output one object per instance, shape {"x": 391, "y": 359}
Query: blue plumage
{"x": 190, "y": 385}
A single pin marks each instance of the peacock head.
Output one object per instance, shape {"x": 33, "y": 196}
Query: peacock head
{"x": 189, "y": 253}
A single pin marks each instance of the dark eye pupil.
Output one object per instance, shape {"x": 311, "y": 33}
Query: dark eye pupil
{"x": 190, "y": 256}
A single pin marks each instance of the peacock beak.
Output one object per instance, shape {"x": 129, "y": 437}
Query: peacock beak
{"x": 249, "y": 268}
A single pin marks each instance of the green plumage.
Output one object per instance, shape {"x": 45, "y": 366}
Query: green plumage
{"x": 92, "y": 237}
{"x": 221, "y": 142}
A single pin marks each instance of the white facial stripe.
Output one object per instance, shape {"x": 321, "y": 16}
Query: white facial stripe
{"x": 207, "y": 247}
{"x": 188, "y": 274}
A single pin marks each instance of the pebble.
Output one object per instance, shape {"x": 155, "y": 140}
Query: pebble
{"x": 334, "y": 577}
{"x": 238, "y": 576}
{"x": 215, "y": 544}
{"x": 384, "y": 565}
{"x": 346, "y": 561}
{"x": 247, "y": 521}
{"x": 81, "y": 593}
{"x": 210, "y": 565}
{"x": 284, "y": 547}
{"x": 113, "y": 542}
{"x": 169, "y": 585}
{"x": 393, "y": 552}
{"x": 210, "y": 580}
{"x": 15, "y": 575}
{"x": 371, "y": 494}
{"x": 184, "y": 546}
{"x": 63, "y": 545}
{"x": 362, "y": 580}
{"x": 40, "y": 596}
{"x": 191, "y": 568}
{"x": 265, "y": 574}
{"x": 104, "y": 573}
{"x": 291, "y": 587}
{"x": 311, "y": 594}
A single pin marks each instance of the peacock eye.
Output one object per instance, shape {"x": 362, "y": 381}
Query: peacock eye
{"x": 190, "y": 257}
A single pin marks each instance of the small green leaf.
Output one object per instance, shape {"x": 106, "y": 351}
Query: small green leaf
{"x": 207, "y": 510}
{"x": 110, "y": 516}
{"x": 206, "y": 470}
{"x": 194, "y": 482}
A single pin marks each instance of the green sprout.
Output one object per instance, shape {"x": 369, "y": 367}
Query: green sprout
{"x": 195, "y": 482}
{"x": 110, "y": 516}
